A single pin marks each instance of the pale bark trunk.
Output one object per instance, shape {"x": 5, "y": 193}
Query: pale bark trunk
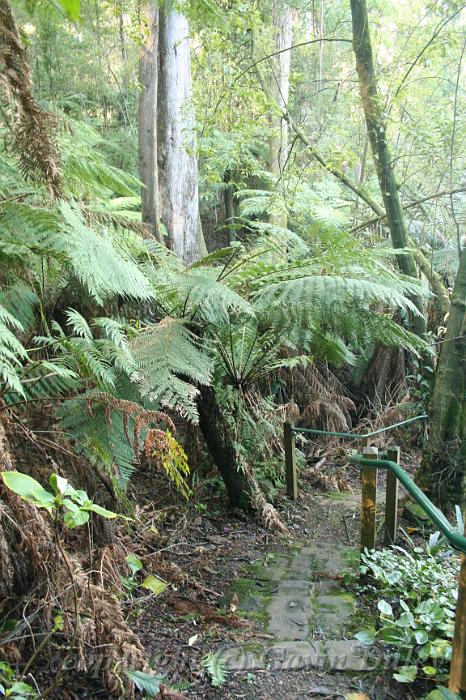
{"x": 376, "y": 130}
{"x": 177, "y": 160}
{"x": 280, "y": 88}
{"x": 443, "y": 473}
{"x": 147, "y": 131}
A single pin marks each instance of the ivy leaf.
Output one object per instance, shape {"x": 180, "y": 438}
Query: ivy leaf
{"x": 406, "y": 674}
{"x": 366, "y": 637}
{"x": 421, "y": 636}
{"x": 385, "y": 608}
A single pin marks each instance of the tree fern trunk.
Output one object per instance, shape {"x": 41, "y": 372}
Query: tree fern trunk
{"x": 443, "y": 472}
{"x": 376, "y": 130}
{"x": 177, "y": 159}
{"x": 222, "y": 449}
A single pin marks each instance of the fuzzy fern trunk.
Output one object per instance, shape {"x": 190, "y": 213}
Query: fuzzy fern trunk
{"x": 222, "y": 449}
{"x": 280, "y": 87}
{"x": 177, "y": 159}
{"x": 376, "y": 129}
{"x": 443, "y": 472}
{"x": 147, "y": 119}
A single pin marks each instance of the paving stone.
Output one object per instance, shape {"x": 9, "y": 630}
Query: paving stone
{"x": 331, "y": 655}
{"x": 242, "y": 659}
{"x": 289, "y": 616}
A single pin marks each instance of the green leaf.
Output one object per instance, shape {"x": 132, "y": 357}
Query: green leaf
{"x": 405, "y": 620}
{"x": 421, "y": 636}
{"x": 366, "y": 637}
{"x": 58, "y": 484}
{"x": 441, "y": 693}
{"x": 385, "y": 608}
{"x": 147, "y": 682}
{"x": 392, "y": 635}
{"x": 406, "y": 674}
{"x": 134, "y": 563}
{"x": 72, "y": 8}
{"x": 102, "y": 511}
{"x": 154, "y": 584}
{"x": 429, "y": 670}
{"x": 29, "y": 489}
{"x": 75, "y": 518}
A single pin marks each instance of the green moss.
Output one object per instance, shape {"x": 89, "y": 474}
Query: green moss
{"x": 352, "y": 557}
{"x": 336, "y": 495}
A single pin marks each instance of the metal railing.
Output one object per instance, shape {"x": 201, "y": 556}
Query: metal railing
{"x": 370, "y": 462}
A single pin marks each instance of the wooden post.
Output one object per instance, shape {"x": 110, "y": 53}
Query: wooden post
{"x": 290, "y": 461}
{"x": 391, "y": 498}
{"x": 457, "y": 682}
{"x": 369, "y": 500}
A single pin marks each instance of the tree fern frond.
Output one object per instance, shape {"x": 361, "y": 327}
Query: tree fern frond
{"x": 198, "y": 293}
{"x": 168, "y": 357}
{"x": 319, "y": 293}
{"x": 21, "y": 301}
{"x": 101, "y": 441}
{"x": 115, "y": 273}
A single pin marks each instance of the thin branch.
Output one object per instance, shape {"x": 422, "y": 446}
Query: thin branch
{"x": 411, "y": 205}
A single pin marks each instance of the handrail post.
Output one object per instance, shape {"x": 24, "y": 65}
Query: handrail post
{"x": 457, "y": 681}
{"x": 290, "y": 461}
{"x": 369, "y": 500}
{"x": 391, "y": 498}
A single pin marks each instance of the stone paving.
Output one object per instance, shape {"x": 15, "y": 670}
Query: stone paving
{"x": 303, "y": 605}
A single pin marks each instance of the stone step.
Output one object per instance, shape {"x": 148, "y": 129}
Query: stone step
{"x": 326, "y": 655}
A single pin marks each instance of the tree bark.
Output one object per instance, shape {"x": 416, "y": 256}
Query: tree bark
{"x": 147, "y": 125}
{"x": 229, "y": 201}
{"x": 280, "y": 88}
{"x": 177, "y": 160}
{"x": 376, "y": 130}
{"x": 443, "y": 471}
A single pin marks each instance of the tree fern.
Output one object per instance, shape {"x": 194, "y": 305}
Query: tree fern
{"x": 169, "y": 365}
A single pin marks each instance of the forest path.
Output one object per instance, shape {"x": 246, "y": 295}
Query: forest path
{"x": 305, "y": 618}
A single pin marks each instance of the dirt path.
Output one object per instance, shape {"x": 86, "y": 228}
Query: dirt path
{"x": 294, "y": 596}
{"x": 299, "y": 620}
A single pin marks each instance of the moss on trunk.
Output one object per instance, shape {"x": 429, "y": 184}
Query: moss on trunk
{"x": 443, "y": 471}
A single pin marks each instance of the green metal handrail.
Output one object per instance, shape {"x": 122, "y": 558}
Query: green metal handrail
{"x": 453, "y": 536}
{"x": 355, "y": 436}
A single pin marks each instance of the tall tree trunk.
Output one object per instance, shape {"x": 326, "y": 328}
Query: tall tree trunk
{"x": 376, "y": 130}
{"x": 280, "y": 88}
{"x": 229, "y": 201}
{"x": 443, "y": 472}
{"x": 177, "y": 160}
{"x": 147, "y": 127}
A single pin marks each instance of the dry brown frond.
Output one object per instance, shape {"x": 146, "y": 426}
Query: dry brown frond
{"x": 34, "y": 129}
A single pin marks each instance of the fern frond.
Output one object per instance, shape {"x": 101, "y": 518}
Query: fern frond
{"x": 317, "y": 294}
{"x": 197, "y": 293}
{"x": 104, "y": 270}
{"x": 168, "y": 357}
